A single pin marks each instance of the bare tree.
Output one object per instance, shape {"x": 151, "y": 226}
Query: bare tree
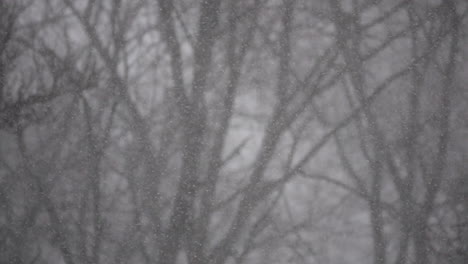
{"x": 229, "y": 131}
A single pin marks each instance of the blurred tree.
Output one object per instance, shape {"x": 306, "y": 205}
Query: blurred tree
{"x": 230, "y": 131}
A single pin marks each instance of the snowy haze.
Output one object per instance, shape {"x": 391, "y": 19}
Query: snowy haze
{"x": 233, "y": 131}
